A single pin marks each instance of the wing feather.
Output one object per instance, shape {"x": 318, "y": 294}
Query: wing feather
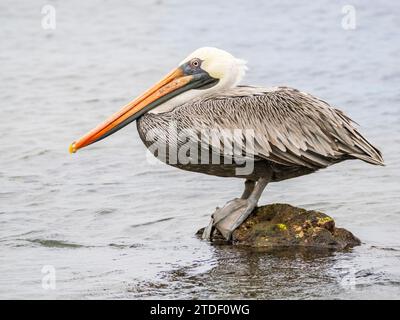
{"x": 290, "y": 127}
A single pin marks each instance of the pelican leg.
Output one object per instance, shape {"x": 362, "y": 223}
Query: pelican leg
{"x": 248, "y": 188}
{"x": 221, "y": 213}
{"x": 234, "y": 212}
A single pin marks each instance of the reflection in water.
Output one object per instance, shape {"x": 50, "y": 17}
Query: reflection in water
{"x": 247, "y": 273}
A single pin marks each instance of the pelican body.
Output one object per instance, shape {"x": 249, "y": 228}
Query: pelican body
{"x": 200, "y": 108}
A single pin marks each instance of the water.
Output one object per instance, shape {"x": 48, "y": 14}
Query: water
{"x": 111, "y": 224}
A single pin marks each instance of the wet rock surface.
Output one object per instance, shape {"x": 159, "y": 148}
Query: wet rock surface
{"x": 284, "y": 226}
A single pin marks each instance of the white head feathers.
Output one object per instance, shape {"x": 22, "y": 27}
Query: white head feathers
{"x": 220, "y": 65}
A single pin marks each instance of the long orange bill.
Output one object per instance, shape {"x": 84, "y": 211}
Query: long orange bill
{"x": 174, "y": 83}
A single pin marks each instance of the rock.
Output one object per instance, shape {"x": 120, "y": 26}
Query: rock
{"x": 282, "y": 225}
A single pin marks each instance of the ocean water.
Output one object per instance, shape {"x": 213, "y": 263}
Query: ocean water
{"x": 109, "y": 223}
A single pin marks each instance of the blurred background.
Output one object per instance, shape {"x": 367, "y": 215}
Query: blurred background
{"x": 106, "y": 223}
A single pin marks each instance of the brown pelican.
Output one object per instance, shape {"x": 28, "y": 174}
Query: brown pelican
{"x": 292, "y": 133}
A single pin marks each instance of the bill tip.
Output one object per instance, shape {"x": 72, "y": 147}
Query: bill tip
{"x": 72, "y": 148}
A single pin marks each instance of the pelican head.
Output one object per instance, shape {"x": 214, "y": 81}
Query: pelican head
{"x": 219, "y": 64}
{"x": 204, "y": 71}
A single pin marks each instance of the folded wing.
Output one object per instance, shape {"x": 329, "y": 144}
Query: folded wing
{"x": 289, "y": 127}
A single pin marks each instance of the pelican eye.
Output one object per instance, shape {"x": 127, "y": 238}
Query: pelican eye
{"x": 195, "y": 63}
